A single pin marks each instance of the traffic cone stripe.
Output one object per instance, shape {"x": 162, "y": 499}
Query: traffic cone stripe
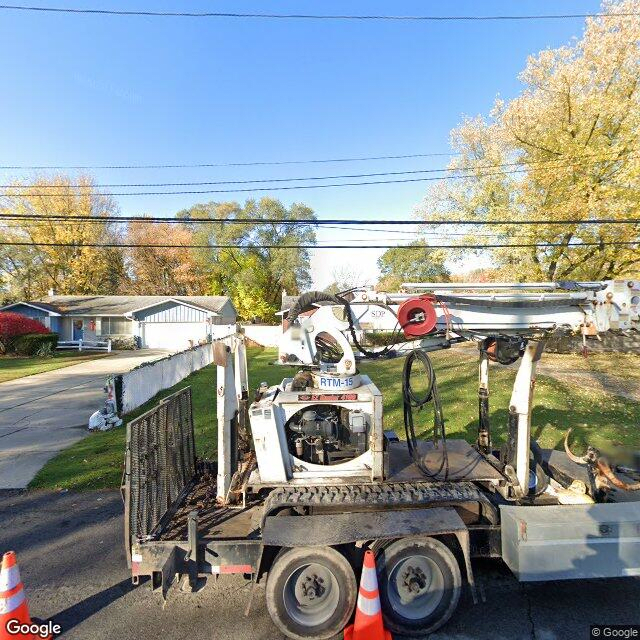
{"x": 9, "y": 579}
{"x": 368, "y": 594}
{"x": 369, "y": 581}
{"x": 11, "y": 603}
{"x": 368, "y": 606}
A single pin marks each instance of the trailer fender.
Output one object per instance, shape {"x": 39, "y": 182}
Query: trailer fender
{"x": 360, "y": 527}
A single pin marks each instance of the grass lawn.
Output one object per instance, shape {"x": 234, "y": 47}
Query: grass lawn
{"x": 12, "y": 367}
{"x": 96, "y": 462}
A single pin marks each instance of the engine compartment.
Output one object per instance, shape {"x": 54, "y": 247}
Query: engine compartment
{"x": 327, "y": 434}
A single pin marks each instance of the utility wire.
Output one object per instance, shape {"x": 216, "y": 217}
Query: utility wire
{"x": 308, "y": 16}
{"x": 586, "y": 159}
{"x": 411, "y": 247}
{"x": 251, "y": 164}
{"x": 232, "y": 164}
{"x": 313, "y": 223}
{"x": 415, "y": 234}
{"x": 287, "y": 188}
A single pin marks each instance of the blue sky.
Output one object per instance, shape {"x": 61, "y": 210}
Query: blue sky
{"x": 114, "y": 90}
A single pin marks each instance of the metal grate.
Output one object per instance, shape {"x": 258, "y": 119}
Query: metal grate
{"x": 160, "y": 462}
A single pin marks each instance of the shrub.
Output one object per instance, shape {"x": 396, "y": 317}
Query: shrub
{"x": 15, "y": 324}
{"x": 32, "y": 344}
{"x": 121, "y": 342}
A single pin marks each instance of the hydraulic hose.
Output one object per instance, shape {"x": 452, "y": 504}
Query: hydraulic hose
{"x": 307, "y": 300}
{"x": 411, "y": 400}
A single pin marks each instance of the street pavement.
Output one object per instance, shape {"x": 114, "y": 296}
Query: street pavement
{"x": 71, "y": 556}
{"x": 42, "y": 414}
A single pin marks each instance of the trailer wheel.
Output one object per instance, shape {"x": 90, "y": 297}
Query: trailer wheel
{"x": 420, "y": 583}
{"x": 311, "y": 592}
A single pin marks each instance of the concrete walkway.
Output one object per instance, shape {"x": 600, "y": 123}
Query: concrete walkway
{"x": 42, "y": 414}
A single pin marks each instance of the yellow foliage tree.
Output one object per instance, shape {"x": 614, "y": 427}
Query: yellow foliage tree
{"x": 567, "y": 148}
{"x": 43, "y": 262}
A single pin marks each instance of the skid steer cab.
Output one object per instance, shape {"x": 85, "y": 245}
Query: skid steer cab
{"x": 308, "y": 477}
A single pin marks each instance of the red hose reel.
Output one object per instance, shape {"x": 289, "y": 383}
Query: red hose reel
{"x": 417, "y": 317}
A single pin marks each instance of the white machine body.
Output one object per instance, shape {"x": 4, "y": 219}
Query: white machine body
{"x": 487, "y": 308}
{"x": 274, "y": 439}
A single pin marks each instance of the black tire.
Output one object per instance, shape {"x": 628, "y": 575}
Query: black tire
{"x": 427, "y": 565}
{"x": 540, "y": 481}
{"x": 311, "y": 592}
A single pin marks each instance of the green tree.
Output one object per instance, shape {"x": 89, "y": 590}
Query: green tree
{"x": 570, "y": 144}
{"x": 255, "y": 274}
{"x": 411, "y": 265}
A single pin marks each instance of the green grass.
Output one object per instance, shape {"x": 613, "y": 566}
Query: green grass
{"x": 96, "y": 461}
{"x": 12, "y": 367}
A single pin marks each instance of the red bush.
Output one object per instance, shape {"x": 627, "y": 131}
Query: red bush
{"x": 14, "y": 324}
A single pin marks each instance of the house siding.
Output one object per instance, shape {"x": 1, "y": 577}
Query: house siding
{"x": 171, "y": 312}
{"x": 30, "y": 312}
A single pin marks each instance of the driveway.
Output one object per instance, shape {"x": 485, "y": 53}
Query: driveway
{"x": 45, "y": 413}
{"x": 71, "y": 557}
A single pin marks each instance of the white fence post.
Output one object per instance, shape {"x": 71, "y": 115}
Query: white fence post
{"x": 80, "y": 344}
{"x": 109, "y": 346}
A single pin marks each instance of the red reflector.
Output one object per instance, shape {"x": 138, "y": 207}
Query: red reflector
{"x": 233, "y": 568}
{"x": 417, "y": 317}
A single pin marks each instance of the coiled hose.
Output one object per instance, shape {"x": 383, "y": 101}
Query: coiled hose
{"x": 411, "y": 400}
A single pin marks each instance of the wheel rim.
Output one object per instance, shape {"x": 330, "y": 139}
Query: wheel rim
{"x": 311, "y": 594}
{"x": 415, "y": 587}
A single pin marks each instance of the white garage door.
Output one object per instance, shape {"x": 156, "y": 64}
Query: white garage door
{"x": 172, "y": 335}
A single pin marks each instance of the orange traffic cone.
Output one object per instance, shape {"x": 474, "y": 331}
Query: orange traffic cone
{"x": 13, "y": 603}
{"x": 368, "y": 624}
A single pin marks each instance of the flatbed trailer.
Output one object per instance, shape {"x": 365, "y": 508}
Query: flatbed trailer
{"x": 307, "y": 478}
{"x": 176, "y": 530}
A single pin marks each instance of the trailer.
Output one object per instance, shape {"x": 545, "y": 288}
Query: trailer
{"x": 308, "y": 477}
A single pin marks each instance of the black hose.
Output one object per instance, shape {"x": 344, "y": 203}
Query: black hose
{"x": 411, "y": 400}
{"x": 307, "y": 300}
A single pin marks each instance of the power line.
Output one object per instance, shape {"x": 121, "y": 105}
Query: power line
{"x": 261, "y": 189}
{"x": 313, "y": 246}
{"x": 306, "y": 16}
{"x": 233, "y": 164}
{"x": 312, "y": 223}
{"x": 330, "y": 177}
{"x": 415, "y": 234}
{"x": 298, "y": 162}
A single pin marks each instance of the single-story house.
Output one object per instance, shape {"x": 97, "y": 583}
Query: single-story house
{"x": 165, "y": 322}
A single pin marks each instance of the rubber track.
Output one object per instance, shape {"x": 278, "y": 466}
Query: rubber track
{"x": 400, "y": 494}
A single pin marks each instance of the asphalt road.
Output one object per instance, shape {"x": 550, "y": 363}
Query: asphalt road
{"x": 72, "y": 562}
{"x": 47, "y": 412}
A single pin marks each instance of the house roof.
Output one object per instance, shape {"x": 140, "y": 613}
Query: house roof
{"x": 121, "y": 305}
{"x": 42, "y": 306}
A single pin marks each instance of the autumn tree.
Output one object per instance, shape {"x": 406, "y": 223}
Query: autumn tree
{"x": 566, "y": 149}
{"x": 172, "y": 269}
{"x": 262, "y": 259}
{"x": 52, "y": 255}
{"x": 411, "y": 265}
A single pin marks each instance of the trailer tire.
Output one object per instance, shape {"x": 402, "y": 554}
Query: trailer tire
{"x": 311, "y": 592}
{"x": 427, "y": 568}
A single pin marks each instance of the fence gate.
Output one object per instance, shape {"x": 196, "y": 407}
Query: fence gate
{"x": 159, "y": 464}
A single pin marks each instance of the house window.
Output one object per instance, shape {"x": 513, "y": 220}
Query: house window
{"x": 115, "y": 326}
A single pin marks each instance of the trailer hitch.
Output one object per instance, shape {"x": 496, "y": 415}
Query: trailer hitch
{"x": 599, "y": 468}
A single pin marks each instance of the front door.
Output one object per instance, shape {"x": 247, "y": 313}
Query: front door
{"x": 78, "y": 329}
